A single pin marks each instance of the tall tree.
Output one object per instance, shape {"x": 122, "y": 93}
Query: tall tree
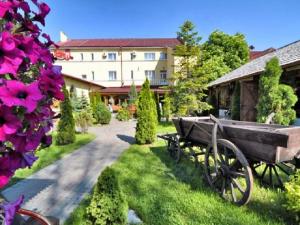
{"x": 132, "y": 94}
{"x": 146, "y": 116}
{"x": 275, "y": 97}
{"x": 188, "y": 93}
{"x": 232, "y": 50}
{"x": 66, "y": 124}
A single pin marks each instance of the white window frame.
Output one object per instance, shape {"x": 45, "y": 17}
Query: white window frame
{"x": 150, "y": 74}
{"x": 163, "y": 56}
{"x": 112, "y": 75}
{"x": 149, "y": 56}
{"x": 163, "y": 74}
{"x": 110, "y": 58}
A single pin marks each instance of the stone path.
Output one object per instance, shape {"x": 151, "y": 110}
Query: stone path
{"x": 57, "y": 189}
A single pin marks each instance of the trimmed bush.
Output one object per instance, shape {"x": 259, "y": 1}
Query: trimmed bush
{"x": 108, "y": 205}
{"x": 146, "y": 116}
{"x": 293, "y": 195}
{"x": 66, "y": 124}
{"x": 275, "y": 97}
{"x": 167, "y": 107}
{"x": 102, "y": 114}
{"x": 123, "y": 114}
{"x": 235, "y": 102}
{"x": 84, "y": 119}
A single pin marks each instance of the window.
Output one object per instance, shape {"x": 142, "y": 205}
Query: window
{"x": 81, "y": 54}
{"x": 92, "y": 56}
{"x": 149, "y": 56}
{"x": 93, "y": 75}
{"x": 163, "y": 74}
{"x": 163, "y": 56}
{"x": 112, "y": 75}
{"x": 112, "y": 56}
{"x": 150, "y": 74}
{"x": 83, "y": 76}
{"x": 131, "y": 74}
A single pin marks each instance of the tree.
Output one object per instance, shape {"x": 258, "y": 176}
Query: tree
{"x": 167, "y": 106}
{"x": 132, "y": 94}
{"x": 235, "y": 102}
{"x": 66, "y": 124}
{"x": 157, "y": 103}
{"x": 232, "y": 50}
{"x": 108, "y": 205}
{"x": 275, "y": 97}
{"x": 84, "y": 119}
{"x": 188, "y": 93}
{"x": 80, "y": 103}
{"x": 146, "y": 116}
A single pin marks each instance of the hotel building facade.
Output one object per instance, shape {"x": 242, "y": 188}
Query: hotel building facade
{"x": 116, "y": 63}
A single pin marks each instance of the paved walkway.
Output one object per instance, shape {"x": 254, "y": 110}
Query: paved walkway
{"x": 57, "y": 189}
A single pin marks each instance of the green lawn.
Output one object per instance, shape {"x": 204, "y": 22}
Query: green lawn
{"x": 49, "y": 155}
{"x": 165, "y": 193}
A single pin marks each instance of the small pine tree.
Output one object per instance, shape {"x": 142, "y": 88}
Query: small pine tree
{"x": 275, "y": 97}
{"x": 235, "y": 103}
{"x": 146, "y": 116}
{"x": 66, "y": 124}
{"x": 132, "y": 94}
{"x": 108, "y": 205}
{"x": 102, "y": 114}
{"x": 167, "y": 106}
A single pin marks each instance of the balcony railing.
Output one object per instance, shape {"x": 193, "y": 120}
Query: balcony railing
{"x": 153, "y": 82}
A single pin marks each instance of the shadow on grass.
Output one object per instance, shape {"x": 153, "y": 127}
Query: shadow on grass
{"x": 186, "y": 172}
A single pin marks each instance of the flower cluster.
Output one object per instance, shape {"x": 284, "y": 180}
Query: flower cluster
{"x": 29, "y": 82}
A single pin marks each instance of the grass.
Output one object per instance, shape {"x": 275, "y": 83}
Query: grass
{"x": 165, "y": 193}
{"x": 49, "y": 155}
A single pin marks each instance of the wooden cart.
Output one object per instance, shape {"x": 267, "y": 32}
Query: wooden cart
{"x": 235, "y": 151}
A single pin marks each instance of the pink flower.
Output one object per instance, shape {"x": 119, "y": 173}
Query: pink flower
{"x": 4, "y": 7}
{"x": 16, "y": 93}
{"x": 4, "y": 180}
{"x": 10, "y": 56}
{"x": 43, "y": 12}
{"x": 29, "y": 47}
{"x": 9, "y": 123}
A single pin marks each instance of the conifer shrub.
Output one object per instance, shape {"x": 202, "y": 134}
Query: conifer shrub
{"x": 132, "y": 94}
{"x": 158, "y": 111}
{"x": 167, "y": 107}
{"x": 102, "y": 114}
{"x": 123, "y": 114}
{"x": 108, "y": 205}
{"x": 66, "y": 124}
{"x": 235, "y": 102}
{"x": 275, "y": 97}
{"x": 84, "y": 119}
{"x": 146, "y": 116}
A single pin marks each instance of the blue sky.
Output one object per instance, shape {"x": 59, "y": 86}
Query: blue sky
{"x": 266, "y": 23}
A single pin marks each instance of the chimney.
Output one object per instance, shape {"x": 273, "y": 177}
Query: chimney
{"x": 63, "y": 37}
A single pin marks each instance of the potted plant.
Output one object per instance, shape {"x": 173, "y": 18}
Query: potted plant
{"x": 29, "y": 85}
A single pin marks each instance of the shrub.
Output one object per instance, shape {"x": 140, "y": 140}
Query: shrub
{"x": 275, "y": 97}
{"x": 235, "y": 102}
{"x": 108, "y": 205}
{"x": 167, "y": 107}
{"x": 84, "y": 119}
{"x": 132, "y": 94}
{"x": 123, "y": 114}
{"x": 66, "y": 124}
{"x": 102, "y": 114}
{"x": 158, "y": 111}
{"x": 293, "y": 195}
{"x": 146, "y": 116}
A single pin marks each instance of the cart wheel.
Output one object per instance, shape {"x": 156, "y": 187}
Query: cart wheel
{"x": 229, "y": 172}
{"x": 273, "y": 175}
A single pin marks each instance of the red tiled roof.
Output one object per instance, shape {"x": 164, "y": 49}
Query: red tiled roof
{"x": 257, "y": 54}
{"x": 129, "y": 42}
{"x": 126, "y": 90}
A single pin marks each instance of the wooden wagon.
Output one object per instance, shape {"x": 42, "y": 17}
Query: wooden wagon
{"x": 235, "y": 150}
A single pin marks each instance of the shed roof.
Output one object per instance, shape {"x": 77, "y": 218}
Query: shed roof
{"x": 82, "y": 80}
{"x": 287, "y": 55}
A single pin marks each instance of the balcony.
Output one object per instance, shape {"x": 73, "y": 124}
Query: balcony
{"x": 153, "y": 82}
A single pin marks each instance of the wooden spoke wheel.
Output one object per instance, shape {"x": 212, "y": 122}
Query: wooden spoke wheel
{"x": 273, "y": 175}
{"x": 229, "y": 173}
{"x": 34, "y": 218}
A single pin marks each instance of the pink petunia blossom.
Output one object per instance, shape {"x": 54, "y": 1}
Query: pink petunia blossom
{"x": 44, "y": 10}
{"x": 10, "y": 56}
{"x": 9, "y": 123}
{"x": 4, "y": 7}
{"x": 16, "y": 93}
